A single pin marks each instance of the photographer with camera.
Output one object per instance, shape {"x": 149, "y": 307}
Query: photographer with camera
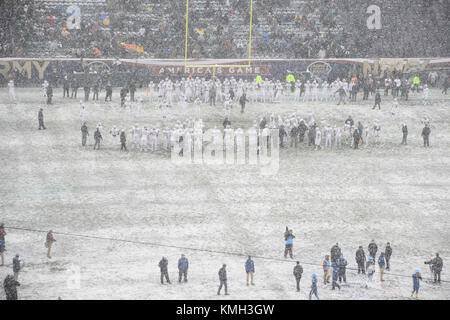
{"x": 436, "y": 267}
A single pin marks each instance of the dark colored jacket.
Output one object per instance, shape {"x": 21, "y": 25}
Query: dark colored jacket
{"x": 436, "y": 264}
{"x": 9, "y": 284}
{"x": 212, "y": 92}
{"x": 294, "y": 131}
{"x": 97, "y": 135}
{"x": 123, "y": 138}
{"x": 342, "y": 264}
{"x": 262, "y": 124}
{"x": 405, "y": 129}
{"x": 373, "y": 248}
{"x": 298, "y": 271}
{"x": 356, "y": 135}
{"x": 163, "y": 265}
{"x": 183, "y": 264}
{"x": 360, "y": 256}
{"x": 388, "y": 252}
{"x": 302, "y": 128}
{"x": 222, "y": 274}
{"x": 377, "y": 97}
{"x": 84, "y": 130}
{"x": 243, "y": 99}
{"x": 123, "y": 93}
{"x": 426, "y": 131}
{"x": 335, "y": 252}
{"x": 40, "y": 115}
{"x": 16, "y": 264}
{"x": 312, "y": 133}
{"x": 350, "y": 121}
{"x": 226, "y": 122}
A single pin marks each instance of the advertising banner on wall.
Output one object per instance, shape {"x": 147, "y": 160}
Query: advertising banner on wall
{"x": 34, "y": 71}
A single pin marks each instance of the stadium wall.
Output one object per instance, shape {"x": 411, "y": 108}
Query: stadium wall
{"x": 32, "y": 72}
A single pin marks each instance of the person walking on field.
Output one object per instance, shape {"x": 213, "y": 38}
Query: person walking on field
{"x": 335, "y": 276}
{"x": 387, "y": 255}
{"x": 2, "y": 243}
{"x": 242, "y": 100}
{"x": 436, "y": 265}
{"x": 326, "y": 269}
{"x": 41, "y": 119}
{"x": 313, "y": 287}
{"x": 183, "y": 266}
{"x": 342, "y": 264}
{"x": 163, "y": 267}
{"x": 123, "y": 140}
{"x": 289, "y": 242}
{"x": 49, "y": 242}
{"x": 381, "y": 265}
{"x": 97, "y": 138}
{"x": 405, "y": 133}
{"x": 373, "y": 248}
{"x": 416, "y": 283}
{"x": 84, "y": 134}
{"x": 16, "y": 267}
{"x": 298, "y": 271}
{"x": 361, "y": 260}
{"x": 223, "y": 279}
{"x": 426, "y": 135}
{"x": 377, "y": 101}
{"x": 10, "y": 284}
{"x": 250, "y": 269}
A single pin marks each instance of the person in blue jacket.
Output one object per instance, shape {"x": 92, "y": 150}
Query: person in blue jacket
{"x": 335, "y": 284}
{"x": 381, "y": 265}
{"x": 416, "y": 283}
{"x": 370, "y": 267}
{"x": 183, "y": 266}
{"x": 250, "y": 269}
{"x": 314, "y": 287}
{"x": 342, "y": 263}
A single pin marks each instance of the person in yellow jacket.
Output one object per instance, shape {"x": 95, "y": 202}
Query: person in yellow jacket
{"x": 259, "y": 80}
{"x": 416, "y": 83}
{"x": 290, "y": 79}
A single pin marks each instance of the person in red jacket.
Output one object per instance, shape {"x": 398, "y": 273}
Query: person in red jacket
{"x": 2, "y": 243}
{"x": 49, "y": 242}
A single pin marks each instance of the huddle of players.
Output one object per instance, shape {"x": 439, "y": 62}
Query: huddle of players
{"x": 294, "y": 130}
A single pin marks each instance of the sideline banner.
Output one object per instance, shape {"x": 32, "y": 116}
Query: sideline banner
{"x": 32, "y": 71}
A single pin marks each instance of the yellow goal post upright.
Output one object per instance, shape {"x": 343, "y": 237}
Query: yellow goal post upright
{"x": 214, "y": 66}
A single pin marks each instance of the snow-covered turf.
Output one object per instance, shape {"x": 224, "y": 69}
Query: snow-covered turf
{"x": 388, "y": 192}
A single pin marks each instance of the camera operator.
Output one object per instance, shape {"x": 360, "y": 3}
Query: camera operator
{"x": 436, "y": 267}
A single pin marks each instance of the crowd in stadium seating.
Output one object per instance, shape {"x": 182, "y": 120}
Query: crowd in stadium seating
{"x": 220, "y": 29}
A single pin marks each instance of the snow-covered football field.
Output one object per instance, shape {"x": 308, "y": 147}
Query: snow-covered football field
{"x": 388, "y": 192}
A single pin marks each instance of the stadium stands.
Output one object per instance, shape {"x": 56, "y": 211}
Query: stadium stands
{"x": 220, "y": 29}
